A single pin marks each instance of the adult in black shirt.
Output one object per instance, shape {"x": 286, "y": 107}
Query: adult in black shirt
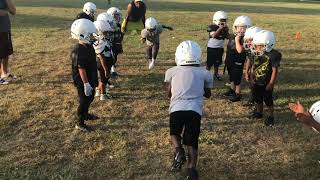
{"x": 136, "y": 12}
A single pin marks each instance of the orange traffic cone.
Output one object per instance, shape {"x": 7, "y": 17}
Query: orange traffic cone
{"x": 298, "y": 36}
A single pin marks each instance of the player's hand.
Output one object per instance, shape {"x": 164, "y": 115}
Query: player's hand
{"x": 269, "y": 86}
{"x": 143, "y": 40}
{"x": 87, "y": 89}
{"x": 296, "y": 107}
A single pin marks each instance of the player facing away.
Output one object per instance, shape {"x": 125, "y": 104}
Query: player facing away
{"x": 151, "y": 36}
{"x": 264, "y": 73}
{"x": 186, "y": 85}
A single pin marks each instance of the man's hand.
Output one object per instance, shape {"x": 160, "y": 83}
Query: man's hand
{"x": 87, "y": 89}
{"x": 269, "y": 86}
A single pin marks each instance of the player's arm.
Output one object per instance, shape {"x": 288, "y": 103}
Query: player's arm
{"x": 167, "y": 27}
{"x": 272, "y": 81}
{"x": 217, "y": 33}
{"x": 126, "y": 19}
{"x": 247, "y": 67}
{"x": 167, "y": 88}
{"x": 83, "y": 75}
{"x": 102, "y": 60}
{"x": 239, "y": 46}
{"x": 11, "y": 7}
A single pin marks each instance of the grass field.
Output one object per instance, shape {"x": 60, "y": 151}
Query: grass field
{"x": 131, "y": 140}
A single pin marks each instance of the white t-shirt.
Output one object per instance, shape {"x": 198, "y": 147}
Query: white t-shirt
{"x": 187, "y": 87}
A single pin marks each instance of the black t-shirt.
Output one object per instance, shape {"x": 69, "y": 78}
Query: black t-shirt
{"x": 232, "y": 55}
{"x": 137, "y": 13}
{"x": 262, "y": 66}
{"x": 83, "y": 15}
{"x": 83, "y": 56}
{"x": 213, "y": 28}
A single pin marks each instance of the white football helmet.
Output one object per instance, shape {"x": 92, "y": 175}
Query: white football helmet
{"x": 315, "y": 111}
{"x": 188, "y": 53}
{"x": 108, "y": 18}
{"x": 265, "y": 38}
{"x": 104, "y": 30}
{"x": 83, "y": 30}
{"x": 248, "y": 36}
{"x": 151, "y": 23}
{"x": 89, "y": 8}
{"x": 242, "y": 21}
{"x": 116, "y": 13}
{"x": 218, "y": 16}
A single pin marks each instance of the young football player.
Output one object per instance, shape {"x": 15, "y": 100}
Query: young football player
{"x": 151, "y": 35}
{"x": 118, "y": 37}
{"x": 103, "y": 49}
{"x": 310, "y": 118}
{"x": 186, "y": 85}
{"x": 218, "y": 32}
{"x": 264, "y": 73}
{"x": 236, "y": 56}
{"x": 84, "y": 69}
{"x": 247, "y": 44}
{"x": 89, "y": 10}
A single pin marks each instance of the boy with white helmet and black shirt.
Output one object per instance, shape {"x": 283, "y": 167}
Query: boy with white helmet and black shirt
{"x": 236, "y": 57}
{"x": 247, "y": 44}
{"x": 265, "y": 71}
{"x": 89, "y": 10}
{"x": 186, "y": 84}
{"x": 218, "y": 32}
{"x": 84, "y": 69}
{"x": 118, "y": 37}
{"x": 103, "y": 49}
{"x": 151, "y": 35}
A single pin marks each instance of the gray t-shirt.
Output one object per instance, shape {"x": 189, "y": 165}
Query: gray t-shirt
{"x": 187, "y": 87}
{"x": 5, "y": 25}
{"x": 152, "y": 37}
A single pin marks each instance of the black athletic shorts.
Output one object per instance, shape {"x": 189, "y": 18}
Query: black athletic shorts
{"x": 236, "y": 73}
{"x": 6, "y": 48}
{"x": 214, "y": 56}
{"x": 109, "y": 63}
{"x": 260, "y": 94}
{"x": 189, "y": 123}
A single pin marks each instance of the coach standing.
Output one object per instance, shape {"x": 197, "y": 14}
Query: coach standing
{"x": 136, "y": 15}
{"x": 6, "y": 49}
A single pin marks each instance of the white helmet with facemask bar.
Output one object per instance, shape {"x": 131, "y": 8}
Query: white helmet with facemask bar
{"x": 315, "y": 111}
{"x": 108, "y": 18}
{"x": 188, "y": 53}
{"x": 264, "y": 38}
{"x": 89, "y": 8}
{"x": 241, "y": 21}
{"x": 104, "y": 30}
{"x": 151, "y": 23}
{"x": 116, "y": 13}
{"x": 248, "y": 36}
{"x": 83, "y": 30}
{"x": 219, "y": 17}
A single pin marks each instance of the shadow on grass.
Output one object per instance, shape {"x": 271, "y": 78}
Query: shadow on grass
{"x": 180, "y": 6}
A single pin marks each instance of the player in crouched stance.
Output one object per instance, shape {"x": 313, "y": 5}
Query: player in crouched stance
{"x": 84, "y": 69}
{"x": 186, "y": 85}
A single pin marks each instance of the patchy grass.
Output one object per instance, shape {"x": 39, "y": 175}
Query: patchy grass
{"x": 131, "y": 140}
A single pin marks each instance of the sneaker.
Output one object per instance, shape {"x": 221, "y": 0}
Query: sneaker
{"x": 218, "y": 77}
{"x": 229, "y": 93}
{"x": 235, "y": 98}
{"x": 83, "y": 127}
{"x": 151, "y": 64}
{"x": 114, "y": 74}
{"x": 109, "y": 86}
{"x": 178, "y": 160}
{"x": 103, "y": 97}
{"x": 91, "y": 117}
{"x": 192, "y": 174}
{"x": 3, "y": 82}
{"x": 255, "y": 115}
{"x": 269, "y": 121}
{"x": 227, "y": 84}
{"x": 8, "y": 77}
{"x": 97, "y": 94}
